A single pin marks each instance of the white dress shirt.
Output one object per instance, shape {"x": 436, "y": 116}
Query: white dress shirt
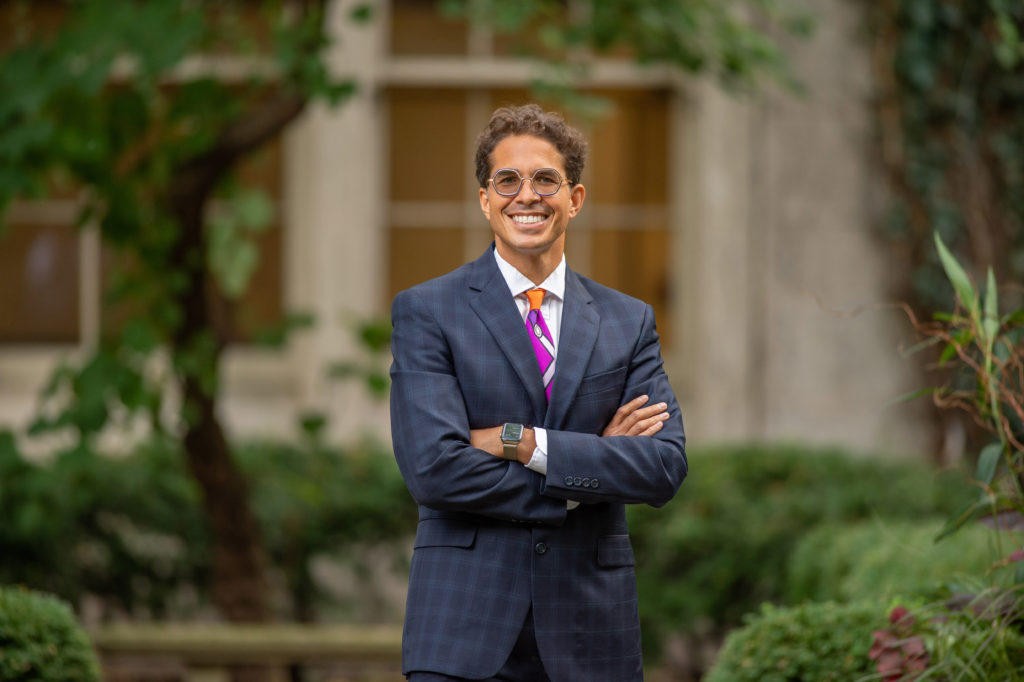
{"x": 551, "y": 310}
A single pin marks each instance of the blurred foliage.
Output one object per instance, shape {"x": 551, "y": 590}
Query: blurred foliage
{"x": 825, "y": 642}
{"x": 979, "y": 342}
{"x": 949, "y": 77}
{"x": 40, "y": 641}
{"x": 722, "y": 546}
{"x": 124, "y": 106}
{"x": 733, "y": 41}
{"x": 885, "y": 558}
{"x": 371, "y": 367}
{"x": 104, "y": 106}
{"x": 129, "y": 528}
{"x": 974, "y": 636}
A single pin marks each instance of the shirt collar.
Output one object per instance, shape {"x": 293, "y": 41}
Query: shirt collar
{"x": 518, "y": 282}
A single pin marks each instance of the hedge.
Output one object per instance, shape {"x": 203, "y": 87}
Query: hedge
{"x": 884, "y": 558}
{"x": 40, "y": 641}
{"x": 134, "y": 522}
{"x": 815, "y": 642}
{"x": 722, "y": 546}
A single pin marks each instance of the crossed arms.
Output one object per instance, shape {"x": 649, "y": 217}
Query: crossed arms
{"x": 638, "y": 455}
{"x": 632, "y": 419}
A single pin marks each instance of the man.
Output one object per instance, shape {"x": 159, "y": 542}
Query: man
{"x": 528, "y": 406}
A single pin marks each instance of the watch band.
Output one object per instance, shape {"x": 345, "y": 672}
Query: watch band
{"x": 508, "y": 450}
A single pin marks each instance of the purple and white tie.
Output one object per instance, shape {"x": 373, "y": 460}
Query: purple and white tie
{"x": 543, "y": 346}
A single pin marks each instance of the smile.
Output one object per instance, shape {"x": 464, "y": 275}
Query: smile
{"x": 528, "y": 219}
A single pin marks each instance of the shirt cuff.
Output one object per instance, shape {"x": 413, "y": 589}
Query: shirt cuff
{"x": 539, "y": 461}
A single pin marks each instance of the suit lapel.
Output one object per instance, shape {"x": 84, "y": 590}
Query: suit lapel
{"x": 576, "y": 339}
{"x": 493, "y": 303}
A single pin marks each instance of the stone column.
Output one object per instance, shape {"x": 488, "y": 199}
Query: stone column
{"x": 335, "y": 165}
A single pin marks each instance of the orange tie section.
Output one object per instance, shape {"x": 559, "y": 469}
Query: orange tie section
{"x": 535, "y": 296}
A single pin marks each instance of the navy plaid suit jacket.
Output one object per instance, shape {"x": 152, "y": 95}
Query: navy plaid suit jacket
{"x": 494, "y": 538}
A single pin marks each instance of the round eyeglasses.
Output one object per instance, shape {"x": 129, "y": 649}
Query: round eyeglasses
{"x": 507, "y": 181}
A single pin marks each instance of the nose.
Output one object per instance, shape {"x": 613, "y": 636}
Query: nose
{"x": 531, "y": 195}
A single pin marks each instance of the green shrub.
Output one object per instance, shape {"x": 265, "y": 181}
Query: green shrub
{"x": 40, "y": 641}
{"x": 808, "y": 643}
{"x": 883, "y": 558}
{"x": 130, "y": 529}
{"x": 721, "y": 547}
{"x": 317, "y": 501}
{"x": 127, "y": 529}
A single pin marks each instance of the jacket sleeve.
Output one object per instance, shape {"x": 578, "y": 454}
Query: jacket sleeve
{"x": 430, "y": 431}
{"x": 625, "y": 469}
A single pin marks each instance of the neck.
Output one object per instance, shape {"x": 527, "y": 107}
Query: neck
{"x": 535, "y": 266}
{"x": 536, "y": 269}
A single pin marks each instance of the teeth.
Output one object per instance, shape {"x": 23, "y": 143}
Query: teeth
{"x": 528, "y": 219}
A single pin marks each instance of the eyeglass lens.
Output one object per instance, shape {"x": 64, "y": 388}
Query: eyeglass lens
{"x": 507, "y": 182}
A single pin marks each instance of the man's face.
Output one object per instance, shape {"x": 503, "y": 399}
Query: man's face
{"x": 527, "y": 223}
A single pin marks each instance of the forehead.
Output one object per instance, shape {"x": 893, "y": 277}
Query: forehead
{"x": 526, "y": 153}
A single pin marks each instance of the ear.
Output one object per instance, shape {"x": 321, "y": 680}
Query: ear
{"x": 576, "y": 197}
{"x": 485, "y": 203}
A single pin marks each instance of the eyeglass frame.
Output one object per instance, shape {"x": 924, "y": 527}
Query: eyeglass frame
{"x": 523, "y": 178}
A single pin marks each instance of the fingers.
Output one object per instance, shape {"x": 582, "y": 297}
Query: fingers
{"x": 650, "y": 425}
{"x": 633, "y": 419}
{"x": 631, "y": 406}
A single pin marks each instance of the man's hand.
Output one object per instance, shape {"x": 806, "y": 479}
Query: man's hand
{"x": 632, "y": 419}
{"x": 489, "y": 440}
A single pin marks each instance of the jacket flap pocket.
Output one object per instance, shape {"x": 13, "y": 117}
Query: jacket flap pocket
{"x": 605, "y": 381}
{"x": 444, "y": 533}
{"x": 615, "y": 550}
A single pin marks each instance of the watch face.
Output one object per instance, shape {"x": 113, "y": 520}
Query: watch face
{"x": 512, "y": 432}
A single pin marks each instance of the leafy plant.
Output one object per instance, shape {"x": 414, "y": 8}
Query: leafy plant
{"x": 40, "y": 641}
{"x": 128, "y": 529}
{"x": 885, "y": 558}
{"x": 722, "y": 546}
{"x": 807, "y": 643}
{"x": 968, "y": 636}
{"x": 985, "y": 347}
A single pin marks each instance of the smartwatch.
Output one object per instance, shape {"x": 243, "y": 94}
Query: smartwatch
{"x": 511, "y": 434}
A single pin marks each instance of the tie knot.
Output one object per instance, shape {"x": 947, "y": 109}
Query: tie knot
{"x": 535, "y": 296}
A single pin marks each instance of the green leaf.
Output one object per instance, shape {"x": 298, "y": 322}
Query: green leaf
{"x": 948, "y": 353}
{"x": 960, "y": 518}
{"x": 275, "y": 335}
{"x": 988, "y": 461}
{"x": 362, "y": 13}
{"x": 991, "y": 322}
{"x": 957, "y": 277}
{"x": 254, "y": 209}
{"x": 914, "y": 395}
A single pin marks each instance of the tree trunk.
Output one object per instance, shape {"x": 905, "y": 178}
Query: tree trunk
{"x": 239, "y": 586}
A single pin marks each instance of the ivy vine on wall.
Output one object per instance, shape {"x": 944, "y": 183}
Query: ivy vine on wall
{"x": 950, "y": 113}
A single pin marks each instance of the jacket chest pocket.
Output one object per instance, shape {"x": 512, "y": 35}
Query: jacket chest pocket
{"x": 605, "y": 383}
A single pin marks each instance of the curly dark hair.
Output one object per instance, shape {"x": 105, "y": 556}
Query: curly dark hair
{"x": 530, "y": 119}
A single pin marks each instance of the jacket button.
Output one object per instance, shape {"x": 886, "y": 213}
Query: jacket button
{"x": 586, "y": 482}
{"x": 540, "y": 548}
{"x": 577, "y": 481}
{"x": 593, "y": 483}
{"x": 568, "y": 481}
